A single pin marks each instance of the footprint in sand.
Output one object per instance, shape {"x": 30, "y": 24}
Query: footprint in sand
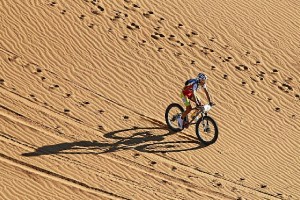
{"x": 227, "y": 47}
{"x": 257, "y": 62}
{"x": 148, "y": 14}
{"x": 177, "y": 54}
{"x": 189, "y": 190}
{"x": 244, "y": 83}
{"x": 157, "y": 28}
{"x": 179, "y": 25}
{"x": 274, "y": 71}
{"x": 261, "y": 73}
{"x": 68, "y": 95}
{"x": 152, "y": 163}
{"x": 296, "y": 95}
{"x": 242, "y": 179}
{"x": 53, "y": 3}
{"x": 33, "y": 97}
{"x": 287, "y": 86}
{"x": 136, "y": 6}
{"x": 133, "y": 26}
{"x": 125, "y": 117}
{"x": 63, "y": 12}
{"x": 66, "y": 110}
{"x": 100, "y": 8}
{"x": 283, "y": 88}
{"x": 160, "y": 49}
{"x": 179, "y": 43}
{"x": 100, "y": 127}
{"x": 261, "y": 76}
{"x": 194, "y": 33}
{"x": 192, "y": 44}
{"x": 86, "y": 103}
{"x": 101, "y": 111}
{"x": 228, "y": 59}
{"x": 277, "y": 109}
{"x": 54, "y": 86}
{"x": 274, "y": 81}
{"x": 142, "y": 42}
{"x": 219, "y": 175}
{"x": 81, "y": 17}
{"x": 188, "y": 35}
{"x": 225, "y": 76}
{"x": 191, "y": 34}
{"x": 174, "y": 169}
{"x": 136, "y": 155}
{"x": 98, "y": 11}
{"x": 119, "y": 15}
{"x": 289, "y": 79}
{"x": 13, "y": 58}
{"x": 242, "y": 67}
{"x": 206, "y": 50}
{"x": 263, "y": 186}
{"x": 94, "y": 2}
{"x": 132, "y": 7}
{"x": 171, "y": 37}
{"x": 1, "y": 81}
{"x": 216, "y": 183}
{"x": 253, "y": 92}
{"x": 161, "y": 20}
{"x": 91, "y": 25}
{"x": 157, "y": 36}
{"x": 213, "y": 68}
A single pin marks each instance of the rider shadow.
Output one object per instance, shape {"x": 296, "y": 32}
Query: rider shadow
{"x": 142, "y": 139}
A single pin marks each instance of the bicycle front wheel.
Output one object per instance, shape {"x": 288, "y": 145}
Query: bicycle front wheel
{"x": 207, "y": 130}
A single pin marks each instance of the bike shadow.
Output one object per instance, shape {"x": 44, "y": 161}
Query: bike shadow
{"x": 142, "y": 139}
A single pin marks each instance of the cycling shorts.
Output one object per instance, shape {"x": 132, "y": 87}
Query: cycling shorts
{"x": 185, "y": 99}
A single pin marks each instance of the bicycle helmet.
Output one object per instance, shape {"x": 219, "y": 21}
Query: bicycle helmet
{"x": 201, "y": 76}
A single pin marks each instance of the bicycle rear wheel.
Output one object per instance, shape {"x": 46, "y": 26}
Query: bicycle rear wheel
{"x": 207, "y": 130}
{"x": 172, "y": 113}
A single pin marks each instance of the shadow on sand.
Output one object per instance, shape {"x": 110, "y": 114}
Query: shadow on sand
{"x": 142, "y": 139}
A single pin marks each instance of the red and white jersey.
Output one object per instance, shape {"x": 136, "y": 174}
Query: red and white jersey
{"x": 191, "y": 86}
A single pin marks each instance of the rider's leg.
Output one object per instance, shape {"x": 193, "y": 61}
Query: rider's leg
{"x": 186, "y": 112}
{"x": 187, "y": 103}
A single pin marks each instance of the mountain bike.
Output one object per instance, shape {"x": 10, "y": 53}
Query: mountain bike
{"x": 206, "y": 127}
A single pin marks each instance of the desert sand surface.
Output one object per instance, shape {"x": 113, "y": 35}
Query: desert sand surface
{"x": 84, "y": 85}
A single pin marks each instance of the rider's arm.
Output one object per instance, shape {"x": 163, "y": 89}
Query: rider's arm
{"x": 207, "y": 95}
{"x": 196, "y": 98}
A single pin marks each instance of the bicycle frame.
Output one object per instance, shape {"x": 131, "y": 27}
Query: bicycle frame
{"x": 203, "y": 111}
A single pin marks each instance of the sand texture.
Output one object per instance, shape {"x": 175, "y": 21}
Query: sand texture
{"x": 84, "y": 85}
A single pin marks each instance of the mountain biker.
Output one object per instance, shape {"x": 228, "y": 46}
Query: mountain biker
{"x": 188, "y": 93}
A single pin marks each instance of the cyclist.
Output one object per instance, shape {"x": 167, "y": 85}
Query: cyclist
{"x": 188, "y": 93}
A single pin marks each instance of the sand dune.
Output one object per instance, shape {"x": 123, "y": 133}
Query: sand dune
{"x": 84, "y": 86}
